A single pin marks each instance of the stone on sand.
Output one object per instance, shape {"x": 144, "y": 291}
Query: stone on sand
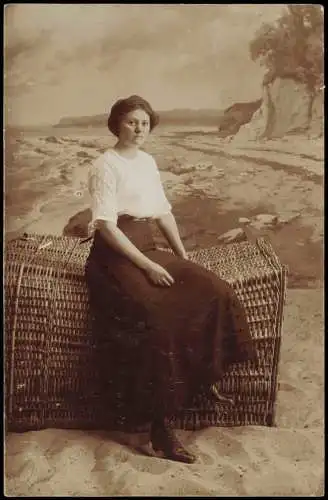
{"x": 53, "y": 139}
{"x": 264, "y": 220}
{"x": 234, "y": 235}
{"x": 83, "y": 154}
{"x": 78, "y": 224}
{"x": 286, "y": 218}
{"x": 244, "y": 220}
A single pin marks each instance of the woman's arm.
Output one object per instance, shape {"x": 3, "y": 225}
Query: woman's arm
{"x": 103, "y": 192}
{"x": 168, "y": 226}
{"x": 121, "y": 243}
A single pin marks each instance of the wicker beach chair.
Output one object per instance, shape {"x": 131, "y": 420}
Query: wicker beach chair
{"x": 51, "y": 375}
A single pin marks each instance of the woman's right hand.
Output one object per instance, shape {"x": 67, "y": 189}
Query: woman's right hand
{"x": 158, "y": 275}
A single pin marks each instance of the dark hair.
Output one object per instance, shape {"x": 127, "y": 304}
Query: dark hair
{"x": 124, "y": 106}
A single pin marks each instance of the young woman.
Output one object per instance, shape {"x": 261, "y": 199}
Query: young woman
{"x": 171, "y": 325}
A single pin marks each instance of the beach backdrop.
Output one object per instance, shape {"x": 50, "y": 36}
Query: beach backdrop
{"x": 240, "y": 152}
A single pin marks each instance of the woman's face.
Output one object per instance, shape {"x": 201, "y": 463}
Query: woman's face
{"x": 134, "y": 128}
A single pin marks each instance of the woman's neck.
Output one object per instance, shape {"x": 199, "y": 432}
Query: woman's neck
{"x": 126, "y": 151}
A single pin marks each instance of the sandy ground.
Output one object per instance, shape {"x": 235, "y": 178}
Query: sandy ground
{"x": 285, "y": 460}
{"x": 211, "y": 185}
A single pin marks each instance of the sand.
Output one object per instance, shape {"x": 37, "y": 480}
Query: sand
{"x": 285, "y": 460}
{"x": 211, "y": 185}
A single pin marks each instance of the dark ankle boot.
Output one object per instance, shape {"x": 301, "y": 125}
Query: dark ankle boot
{"x": 164, "y": 440}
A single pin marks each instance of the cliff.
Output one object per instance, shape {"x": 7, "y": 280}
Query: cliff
{"x": 237, "y": 115}
{"x": 288, "y": 108}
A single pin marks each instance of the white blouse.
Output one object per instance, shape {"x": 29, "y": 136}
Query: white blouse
{"x": 125, "y": 186}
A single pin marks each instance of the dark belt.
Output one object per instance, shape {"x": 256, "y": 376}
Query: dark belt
{"x": 124, "y": 217}
{"x": 134, "y": 219}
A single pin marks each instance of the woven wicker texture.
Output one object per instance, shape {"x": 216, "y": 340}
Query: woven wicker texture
{"x": 51, "y": 377}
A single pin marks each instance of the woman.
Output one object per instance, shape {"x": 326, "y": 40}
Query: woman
{"x": 171, "y": 325}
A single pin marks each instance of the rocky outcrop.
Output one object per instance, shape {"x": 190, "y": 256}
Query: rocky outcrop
{"x": 316, "y": 128}
{"x": 289, "y": 104}
{"x": 237, "y": 115}
{"x": 78, "y": 224}
{"x": 261, "y": 223}
{"x": 288, "y": 107}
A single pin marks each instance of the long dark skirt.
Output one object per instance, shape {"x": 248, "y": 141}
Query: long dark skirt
{"x": 159, "y": 345}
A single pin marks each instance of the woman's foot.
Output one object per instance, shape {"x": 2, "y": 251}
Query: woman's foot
{"x": 164, "y": 440}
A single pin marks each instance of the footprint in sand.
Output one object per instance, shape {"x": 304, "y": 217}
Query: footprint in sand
{"x": 206, "y": 457}
{"x": 118, "y": 485}
{"x": 218, "y": 446}
{"x": 149, "y": 464}
{"x": 231, "y": 474}
{"x": 226, "y": 444}
{"x": 188, "y": 486}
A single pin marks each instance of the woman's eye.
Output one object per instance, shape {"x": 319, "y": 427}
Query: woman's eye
{"x": 143, "y": 124}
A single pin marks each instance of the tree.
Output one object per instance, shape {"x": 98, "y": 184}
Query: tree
{"x": 292, "y": 46}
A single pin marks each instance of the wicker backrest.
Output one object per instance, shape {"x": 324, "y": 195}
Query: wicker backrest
{"x": 51, "y": 376}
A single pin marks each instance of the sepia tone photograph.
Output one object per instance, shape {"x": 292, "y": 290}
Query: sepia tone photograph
{"x": 163, "y": 250}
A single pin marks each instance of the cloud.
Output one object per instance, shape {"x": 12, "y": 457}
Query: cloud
{"x": 103, "y": 51}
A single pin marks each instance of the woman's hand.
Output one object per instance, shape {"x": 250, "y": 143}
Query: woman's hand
{"x": 158, "y": 275}
{"x": 182, "y": 254}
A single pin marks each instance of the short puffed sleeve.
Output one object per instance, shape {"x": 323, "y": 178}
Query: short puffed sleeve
{"x": 102, "y": 189}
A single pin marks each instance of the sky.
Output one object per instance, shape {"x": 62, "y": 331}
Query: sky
{"x": 77, "y": 59}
